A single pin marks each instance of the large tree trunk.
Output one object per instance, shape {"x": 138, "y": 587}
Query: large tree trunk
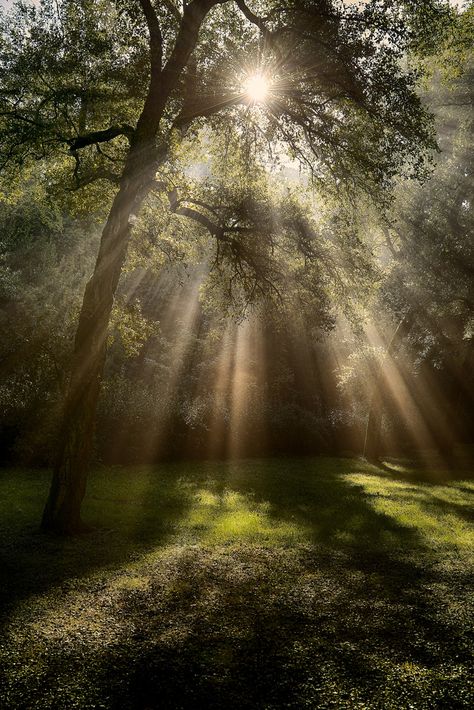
{"x": 62, "y": 511}
{"x": 373, "y": 431}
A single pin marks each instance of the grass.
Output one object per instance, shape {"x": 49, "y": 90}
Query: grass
{"x": 314, "y": 583}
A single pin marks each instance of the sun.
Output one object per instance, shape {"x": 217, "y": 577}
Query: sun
{"x": 257, "y": 87}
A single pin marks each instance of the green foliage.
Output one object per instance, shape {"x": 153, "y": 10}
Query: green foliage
{"x": 426, "y": 262}
{"x": 129, "y": 324}
{"x": 434, "y": 256}
{"x": 455, "y": 51}
{"x": 45, "y": 259}
{"x": 71, "y": 58}
{"x": 341, "y": 101}
{"x": 234, "y": 210}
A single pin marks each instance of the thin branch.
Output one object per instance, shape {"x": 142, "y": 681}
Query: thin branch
{"x": 206, "y": 206}
{"x": 102, "y": 152}
{"x": 243, "y": 259}
{"x": 101, "y": 174}
{"x": 173, "y": 9}
{"x": 206, "y": 106}
{"x": 212, "y": 228}
{"x": 254, "y": 19}
{"x": 268, "y": 35}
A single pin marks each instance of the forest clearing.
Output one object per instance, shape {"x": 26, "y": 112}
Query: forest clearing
{"x": 276, "y": 583}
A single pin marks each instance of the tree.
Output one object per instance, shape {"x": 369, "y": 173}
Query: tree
{"x": 40, "y": 289}
{"x": 429, "y": 263}
{"x": 82, "y": 84}
{"x": 433, "y": 260}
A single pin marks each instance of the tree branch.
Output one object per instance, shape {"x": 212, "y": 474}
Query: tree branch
{"x": 254, "y": 19}
{"x": 205, "y": 106}
{"x": 245, "y": 260}
{"x": 99, "y": 137}
{"x": 173, "y": 9}
{"x": 186, "y": 40}
{"x": 156, "y": 39}
{"x": 175, "y": 205}
{"x": 93, "y": 177}
{"x": 212, "y": 228}
{"x": 164, "y": 81}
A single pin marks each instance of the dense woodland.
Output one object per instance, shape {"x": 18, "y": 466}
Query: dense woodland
{"x": 295, "y": 272}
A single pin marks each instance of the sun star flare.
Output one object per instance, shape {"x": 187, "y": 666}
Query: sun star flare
{"x": 257, "y": 87}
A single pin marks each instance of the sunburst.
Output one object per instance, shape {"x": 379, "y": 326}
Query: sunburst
{"x": 257, "y": 87}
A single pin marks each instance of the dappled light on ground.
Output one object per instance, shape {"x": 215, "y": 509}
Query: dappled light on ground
{"x": 233, "y": 517}
{"x": 272, "y": 583}
{"x": 441, "y": 515}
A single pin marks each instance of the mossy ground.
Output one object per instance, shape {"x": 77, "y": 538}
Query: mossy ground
{"x": 318, "y": 583}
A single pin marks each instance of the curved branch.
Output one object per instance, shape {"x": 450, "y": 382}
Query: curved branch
{"x": 99, "y": 137}
{"x": 259, "y": 22}
{"x": 175, "y": 205}
{"x": 254, "y": 19}
{"x": 81, "y": 182}
{"x": 212, "y": 228}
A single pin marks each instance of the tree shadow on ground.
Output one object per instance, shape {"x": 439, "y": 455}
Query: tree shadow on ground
{"x": 130, "y": 511}
{"x": 358, "y": 613}
{"x": 436, "y": 472}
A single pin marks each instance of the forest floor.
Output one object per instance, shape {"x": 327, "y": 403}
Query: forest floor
{"x": 299, "y": 583}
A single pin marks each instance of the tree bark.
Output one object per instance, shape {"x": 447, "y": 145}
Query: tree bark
{"x": 373, "y": 431}
{"x": 62, "y": 511}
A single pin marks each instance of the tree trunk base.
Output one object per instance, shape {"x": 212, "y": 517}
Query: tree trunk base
{"x": 64, "y": 525}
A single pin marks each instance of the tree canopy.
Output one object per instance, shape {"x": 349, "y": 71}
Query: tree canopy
{"x": 75, "y": 77}
{"x": 187, "y": 120}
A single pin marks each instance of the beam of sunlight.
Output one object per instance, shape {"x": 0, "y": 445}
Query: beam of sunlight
{"x": 402, "y": 393}
{"x": 221, "y": 394}
{"x": 180, "y": 315}
{"x": 240, "y": 386}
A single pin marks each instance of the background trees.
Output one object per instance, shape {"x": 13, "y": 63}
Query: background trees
{"x": 426, "y": 249}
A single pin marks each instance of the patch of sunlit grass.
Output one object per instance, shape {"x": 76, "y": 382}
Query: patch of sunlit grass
{"x": 236, "y": 518}
{"x": 439, "y": 514}
{"x": 131, "y": 582}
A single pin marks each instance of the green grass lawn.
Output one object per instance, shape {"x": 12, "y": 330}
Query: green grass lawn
{"x": 310, "y": 583}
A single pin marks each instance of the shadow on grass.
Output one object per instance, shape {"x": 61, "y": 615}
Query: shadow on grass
{"x": 437, "y": 472}
{"x": 293, "y": 588}
{"x": 358, "y": 616}
{"x": 132, "y": 510}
